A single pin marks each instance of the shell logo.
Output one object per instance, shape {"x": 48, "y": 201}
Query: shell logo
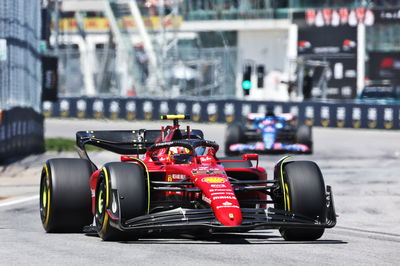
{"x": 213, "y": 180}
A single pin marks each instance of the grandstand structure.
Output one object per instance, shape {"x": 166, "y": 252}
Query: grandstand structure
{"x": 187, "y": 48}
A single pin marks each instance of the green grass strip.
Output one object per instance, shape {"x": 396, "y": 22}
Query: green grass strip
{"x": 64, "y": 144}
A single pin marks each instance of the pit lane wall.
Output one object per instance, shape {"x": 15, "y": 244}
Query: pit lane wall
{"x": 21, "y": 133}
{"x": 323, "y": 114}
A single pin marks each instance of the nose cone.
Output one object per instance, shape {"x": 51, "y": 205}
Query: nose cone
{"x": 229, "y": 216}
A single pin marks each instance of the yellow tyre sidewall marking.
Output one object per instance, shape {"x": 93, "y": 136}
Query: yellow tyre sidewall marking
{"x": 47, "y": 177}
{"x": 287, "y": 196}
{"x": 285, "y": 189}
{"x": 105, "y": 220}
{"x": 148, "y": 181}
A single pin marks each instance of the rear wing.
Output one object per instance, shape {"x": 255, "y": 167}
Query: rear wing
{"x": 125, "y": 141}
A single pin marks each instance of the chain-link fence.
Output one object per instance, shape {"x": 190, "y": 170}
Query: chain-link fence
{"x": 20, "y": 66}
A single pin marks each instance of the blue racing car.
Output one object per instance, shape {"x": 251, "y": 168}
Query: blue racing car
{"x": 268, "y": 133}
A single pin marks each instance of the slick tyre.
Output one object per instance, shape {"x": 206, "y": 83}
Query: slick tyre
{"x": 122, "y": 192}
{"x": 65, "y": 200}
{"x": 304, "y": 136}
{"x": 234, "y": 134}
{"x": 304, "y": 194}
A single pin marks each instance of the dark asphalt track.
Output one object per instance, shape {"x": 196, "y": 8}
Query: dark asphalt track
{"x": 362, "y": 166}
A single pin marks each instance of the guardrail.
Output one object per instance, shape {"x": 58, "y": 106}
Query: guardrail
{"x": 21, "y": 133}
{"x": 342, "y": 115}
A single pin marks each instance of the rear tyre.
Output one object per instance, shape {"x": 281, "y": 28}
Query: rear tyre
{"x": 121, "y": 191}
{"x": 304, "y": 136}
{"x": 65, "y": 199}
{"x": 305, "y": 194}
{"x": 234, "y": 134}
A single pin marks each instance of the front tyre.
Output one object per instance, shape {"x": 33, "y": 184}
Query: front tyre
{"x": 65, "y": 203}
{"x": 304, "y": 194}
{"x": 234, "y": 134}
{"x": 304, "y": 136}
{"x": 122, "y": 192}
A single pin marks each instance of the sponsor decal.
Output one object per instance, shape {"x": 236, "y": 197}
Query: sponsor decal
{"x": 64, "y": 108}
{"x": 218, "y": 186}
{"x": 309, "y": 115}
{"x": 278, "y": 109}
{"x": 224, "y": 197}
{"x": 340, "y": 116}
{"x": 164, "y": 109}
{"x": 246, "y": 109}
{"x": 98, "y": 109}
{"x": 388, "y": 118}
{"x": 262, "y": 109}
{"x": 148, "y": 110}
{"x": 223, "y": 193}
{"x": 205, "y": 199}
{"x": 220, "y": 190}
{"x": 208, "y": 172}
{"x": 180, "y": 108}
{"x": 212, "y": 112}
{"x": 372, "y": 117}
{"x": 213, "y": 180}
{"x": 81, "y": 106}
{"x": 228, "y": 206}
{"x": 196, "y": 111}
{"x": 325, "y": 114}
{"x": 229, "y": 111}
{"x": 47, "y": 109}
{"x": 344, "y": 16}
{"x": 130, "y": 107}
{"x": 178, "y": 176}
{"x": 114, "y": 110}
{"x": 356, "y": 116}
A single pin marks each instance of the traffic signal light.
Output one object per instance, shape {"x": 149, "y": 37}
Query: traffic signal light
{"x": 246, "y": 81}
{"x": 260, "y": 76}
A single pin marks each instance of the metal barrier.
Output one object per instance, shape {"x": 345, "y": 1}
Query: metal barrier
{"x": 21, "y": 133}
{"x": 341, "y": 115}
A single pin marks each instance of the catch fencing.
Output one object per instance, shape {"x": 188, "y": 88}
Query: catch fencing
{"x": 21, "y": 123}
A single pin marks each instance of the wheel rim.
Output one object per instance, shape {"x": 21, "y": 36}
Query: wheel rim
{"x": 100, "y": 206}
{"x": 45, "y": 197}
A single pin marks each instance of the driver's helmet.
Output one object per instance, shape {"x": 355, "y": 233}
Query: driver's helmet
{"x": 180, "y": 158}
{"x": 270, "y": 111}
{"x": 180, "y": 155}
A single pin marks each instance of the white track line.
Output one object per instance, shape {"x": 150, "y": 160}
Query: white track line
{"x": 18, "y": 201}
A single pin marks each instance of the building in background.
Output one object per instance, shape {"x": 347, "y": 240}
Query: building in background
{"x": 202, "y": 48}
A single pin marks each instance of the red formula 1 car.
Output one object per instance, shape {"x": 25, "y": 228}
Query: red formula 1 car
{"x": 172, "y": 179}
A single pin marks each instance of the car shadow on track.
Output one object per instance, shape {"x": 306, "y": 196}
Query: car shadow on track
{"x": 229, "y": 239}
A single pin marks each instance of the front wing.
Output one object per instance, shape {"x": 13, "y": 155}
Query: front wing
{"x": 259, "y": 147}
{"x": 253, "y": 218}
